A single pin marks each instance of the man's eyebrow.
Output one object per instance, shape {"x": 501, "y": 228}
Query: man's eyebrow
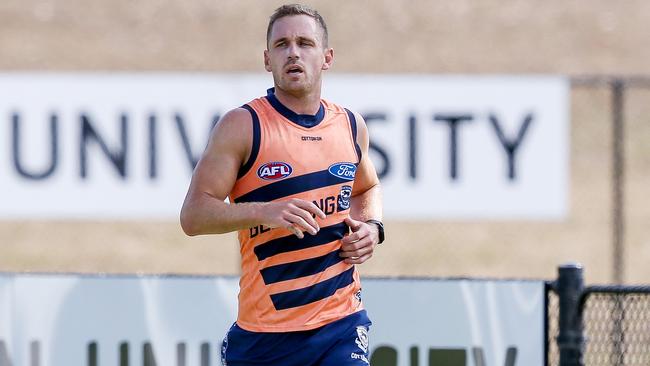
{"x": 283, "y": 39}
{"x": 298, "y": 38}
{"x": 303, "y": 38}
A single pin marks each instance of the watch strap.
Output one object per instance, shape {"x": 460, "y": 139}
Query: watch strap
{"x": 380, "y": 228}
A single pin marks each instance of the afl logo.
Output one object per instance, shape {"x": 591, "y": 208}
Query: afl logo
{"x": 274, "y": 170}
{"x": 343, "y": 170}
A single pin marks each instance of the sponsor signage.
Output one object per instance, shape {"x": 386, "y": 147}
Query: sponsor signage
{"x": 343, "y": 170}
{"x": 122, "y": 146}
{"x": 53, "y": 320}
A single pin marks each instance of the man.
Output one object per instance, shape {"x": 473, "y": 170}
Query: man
{"x": 306, "y": 201}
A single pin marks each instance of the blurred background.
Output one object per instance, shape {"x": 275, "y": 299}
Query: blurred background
{"x": 587, "y": 41}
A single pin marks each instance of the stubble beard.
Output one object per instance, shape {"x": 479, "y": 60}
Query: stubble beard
{"x": 296, "y": 88}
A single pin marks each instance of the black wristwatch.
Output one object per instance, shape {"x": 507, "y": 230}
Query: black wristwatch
{"x": 380, "y": 228}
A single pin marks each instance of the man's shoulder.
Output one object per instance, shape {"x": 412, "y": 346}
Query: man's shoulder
{"x": 236, "y": 116}
{"x": 333, "y": 107}
{"x": 338, "y": 108}
{"x": 235, "y": 126}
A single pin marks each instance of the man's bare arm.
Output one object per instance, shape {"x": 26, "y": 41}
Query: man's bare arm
{"x": 204, "y": 210}
{"x": 365, "y": 204}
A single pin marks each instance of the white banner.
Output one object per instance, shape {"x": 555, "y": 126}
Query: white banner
{"x": 54, "y": 320}
{"x": 123, "y": 146}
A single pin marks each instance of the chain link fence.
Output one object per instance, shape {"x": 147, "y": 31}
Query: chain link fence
{"x": 552, "y": 327}
{"x": 597, "y": 325}
{"x": 617, "y": 328}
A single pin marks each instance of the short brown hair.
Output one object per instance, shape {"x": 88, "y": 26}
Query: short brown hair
{"x": 296, "y": 9}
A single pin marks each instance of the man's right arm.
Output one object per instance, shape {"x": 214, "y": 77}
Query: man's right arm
{"x": 204, "y": 210}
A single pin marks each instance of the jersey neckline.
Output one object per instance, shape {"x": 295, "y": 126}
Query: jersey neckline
{"x": 303, "y": 120}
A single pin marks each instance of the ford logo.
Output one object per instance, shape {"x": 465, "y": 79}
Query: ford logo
{"x": 274, "y": 170}
{"x": 343, "y": 170}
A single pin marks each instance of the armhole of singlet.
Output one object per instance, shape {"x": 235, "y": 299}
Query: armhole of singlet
{"x": 353, "y": 127}
{"x": 256, "y": 142}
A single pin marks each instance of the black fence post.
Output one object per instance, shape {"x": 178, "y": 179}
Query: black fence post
{"x": 570, "y": 341}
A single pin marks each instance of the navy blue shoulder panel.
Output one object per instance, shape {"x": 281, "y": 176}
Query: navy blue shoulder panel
{"x": 353, "y": 126}
{"x": 256, "y": 142}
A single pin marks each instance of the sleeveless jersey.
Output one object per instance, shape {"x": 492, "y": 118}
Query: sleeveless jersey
{"x": 291, "y": 284}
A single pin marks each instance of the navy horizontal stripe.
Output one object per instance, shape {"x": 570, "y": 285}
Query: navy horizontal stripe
{"x": 302, "y": 268}
{"x": 291, "y": 186}
{"x": 307, "y": 295}
{"x": 291, "y": 243}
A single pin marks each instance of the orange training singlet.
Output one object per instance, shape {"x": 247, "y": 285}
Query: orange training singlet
{"x": 291, "y": 284}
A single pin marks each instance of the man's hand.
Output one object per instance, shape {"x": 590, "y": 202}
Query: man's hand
{"x": 295, "y": 214}
{"x": 358, "y": 247}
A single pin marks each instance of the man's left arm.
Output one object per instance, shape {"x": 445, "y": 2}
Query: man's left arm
{"x": 365, "y": 204}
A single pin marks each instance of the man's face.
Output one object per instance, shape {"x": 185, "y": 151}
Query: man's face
{"x": 296, "y": 55}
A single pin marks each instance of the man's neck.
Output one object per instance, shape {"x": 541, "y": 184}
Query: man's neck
{"x": 308, "y": 103}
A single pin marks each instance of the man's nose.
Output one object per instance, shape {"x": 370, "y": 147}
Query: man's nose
{"x": 292, "y": 51}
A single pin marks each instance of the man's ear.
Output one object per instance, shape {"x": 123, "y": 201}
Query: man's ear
{"x": 329, "y": 58}
{"x": 267, "y": 61}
